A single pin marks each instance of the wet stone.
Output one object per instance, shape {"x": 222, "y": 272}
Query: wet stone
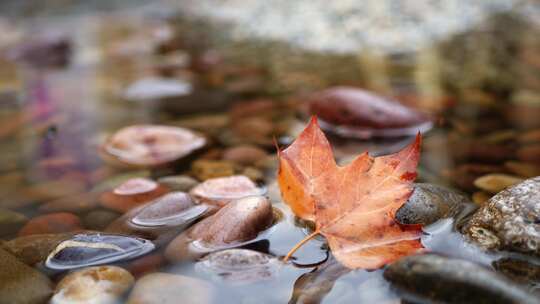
{"x": 116, "y": 180}
{"x": 11, "y": 221}
{"x": 52, "y": 223}
{"x": 95, "y": 249}
{"x": 520, "y": 271}
{"x": 208, "y": 169}
{"x": 76, "y": 204}
{"x": 446, "y": 280}
{"x": 182, "y": 183}
{"x": 220, "y": 191}
{"x": 244, "y": 155}
{"x": 509, "y": 220}
{"x": 93, "y": 285}
{"x": 99, "y": 219}
{"x": 21, "y": 284}
{"x": 165, "y": 288}
{"x": 132, "y": 193}
{"x": 494, "y": 183}
{"x": 35, "y": 248}
{"x": 238, "y": 266}
{"x": 355, "y": 112}
{"x": 429, "y": 203}
{"x": 239, "y": 222}
{"x": 151, "y": 145}
{"x": 523, "y": 169}
{"x": 160, "y": 220}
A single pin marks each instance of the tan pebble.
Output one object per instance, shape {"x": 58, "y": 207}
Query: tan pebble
{"x": 496, "y": 182}
{"x": 206, "y": 169}
{"x": 480, "y": 197}
{"x": 93, "y": 285}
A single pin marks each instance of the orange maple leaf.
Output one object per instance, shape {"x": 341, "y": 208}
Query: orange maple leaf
{"x": 353, "y": 206}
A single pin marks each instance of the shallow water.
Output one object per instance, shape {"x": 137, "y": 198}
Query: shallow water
{"x": 51, "y": 134}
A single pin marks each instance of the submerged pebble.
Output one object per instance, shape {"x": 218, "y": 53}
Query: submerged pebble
{"x": 446, "y": 280}
{"x": 238, "y": 222}
{"x": 239, "y": 266}
{"x": 165, "y": 288}
{"x": 93, "y": 285}
{"x": 11, "y": 221}
{"x": 220, "y": 191}
{"x": 33, "y": 249}
{"x": 429, "y": 203}
{"x": 52, "y": 223}
{"x": 151, "y": 145}
{"x": 132, "y": 193}
{"x": 509, "y": 220}
{"x": 160, "y": 220}
{"x": 21, "y": 284}
{"x": 496, "y": 182}
{"x": 355, "y": 112}
{"x": 182, "y": 183}
{"x": 95, "y": 249}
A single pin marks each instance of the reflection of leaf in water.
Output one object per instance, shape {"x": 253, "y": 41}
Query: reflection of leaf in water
{"x": 312, "y": 287}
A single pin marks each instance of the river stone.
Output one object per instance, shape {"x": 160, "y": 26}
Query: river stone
{"x": 33, "y": 249}
{"x": 446, "y": 280}
{"x": 93, "y": 285}
{"x": 238, "y": 266}
{"x": 21, "y": 284}
{"x": 222, "y": 190}
{"x": 182, "y": 183}
{"x": 165, "y": 288}
{"x": 95, "y": 249}
{"x": 11, "y": 221}
{"x": 159, "y": 220}
{"x": 238, "y": 222}
{"x": 429, "y": 203}
{"x": 99, "y": 219}
{"x": 509, "y": 220}
{"x": 51, "y": 223}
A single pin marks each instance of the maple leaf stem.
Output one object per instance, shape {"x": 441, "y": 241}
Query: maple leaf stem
{"x": 302, "y": 242}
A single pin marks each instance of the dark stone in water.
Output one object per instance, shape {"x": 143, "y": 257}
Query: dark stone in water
{"x": 429, "y": 203}
{"x": 239, "y": 266}
{"x": 446, "y": 280}
{"x": 96, "y": 249}
{"x": 520, "y": 271}
{"x": 161, "y": 219}
{"x": 350, "y": 111}
{"x": 509, "y": 220}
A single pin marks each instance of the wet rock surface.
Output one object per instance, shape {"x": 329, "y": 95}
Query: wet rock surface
{"x": 21, "y": 284}
{"x": 220, "y": 191}
{"x": 240, "y": 221}
{"x": 359, "y": 109}
{"x": 33, "y": 249}
{"x": 52, "y": 223}
{"x": 84, "y": 250}
{"x": 93, "y": 285}
{"x": 429, "y": 203}
{"x": 132, "y": 193}
{"x": 152, "y": 145}
{"x": 164, "y": 288}
{"x": 447, "y": 280}
{"x": 182, "y": 183}
{"x": 239, "y": 266}
{"x": 509, "y": 220}
{"x": 11, "y": 221}
{"x": 160, "y": 220}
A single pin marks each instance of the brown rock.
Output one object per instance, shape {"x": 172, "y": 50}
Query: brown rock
{"x": 244, "y": 155}
{"x": 132, "y": 193}
{"x": 165, "y": 288}
{"x": 207, "y": 169}
{"x": 240, "y": 221}
{"x": 151, "y": 145}
{"x": 523, "y": 169}
{"x": 35, "y": 248}
{"x": 21, "y": 284}
{"x": 93, "y": 285}
{"x": 51, "y": 223}
{"x": 496, "y": 182}
{"x": 220, "y": 191}
{"x": 76, "y": 204}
